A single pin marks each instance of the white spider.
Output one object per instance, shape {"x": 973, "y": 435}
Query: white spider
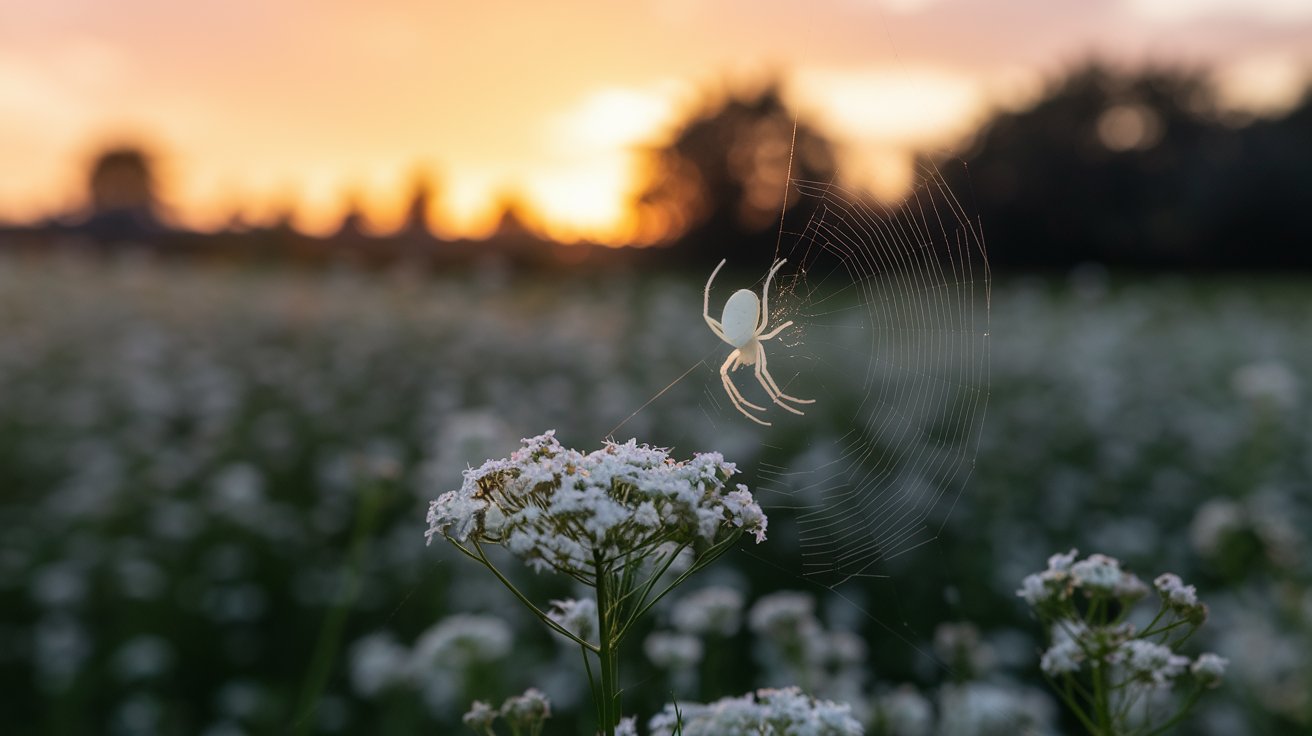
{"x": 742, "y": 324}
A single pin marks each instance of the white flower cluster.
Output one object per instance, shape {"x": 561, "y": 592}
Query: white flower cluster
{"x": 794, "y": 647}
{"x": 563, "y": 509}
{"x": 988, "y": 709}
{"x": 462, "y": 640}
{"x": 784, "y": 612}
{"x": 480, "y": 716}
{"x": 673, "y": 651}
{"x": 524, "y": 713}
{"x": 959, "y": 646}
{"x": 527, "y": 709}
{"x": 767, "y": 712}
{"x": 1084, "y": 637}
{"x": 1150, "y": 662}
{"x": 578, "y": 616}
{"x": 715, "y": 610}
{"x": 1180, "y": 598}
{"x": 1066, "y": 654}
{"x": 1209, "y": 668}
{"x": 1074, "y": 644}
{"x": 443, "y": 659}
{"x": 1096, "y": 575}
{"x": 904, "y": 712}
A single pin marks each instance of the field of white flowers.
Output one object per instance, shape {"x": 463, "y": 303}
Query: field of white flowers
{"x": 213, "y": 485}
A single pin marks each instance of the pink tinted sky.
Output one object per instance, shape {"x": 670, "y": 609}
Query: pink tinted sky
{"x": 257, "y": 106}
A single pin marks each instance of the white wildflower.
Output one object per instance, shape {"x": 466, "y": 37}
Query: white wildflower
{"x": 1062, "y": 562}
{"x": 673, "y": 651}
{"x": 905, "y": 712}
{"x": 1209, "y": 668}
{"x": 378, "y": 662}
{"x": 462, "y": 640}
{"x": 959, "y": 645}
{"x": 785, "y": 610}
{"x": 1130, "y": 587}
{"x": 142, "y": 657}
{"x": 1267, "y": 382}
{"x": 527, "y": 711}
{"x": 563, "y": 509}
{"x": 480, "y": 716}
{"x": 1175, "y": 592}
{"x": 845, "y": 649}
{"x": 745, "y": 512}
{"x": 579, "y": 617}
{"x": 627, "y": 727}
{"x": 1181, "y": 598}
{"x": 1050, "y": 585}
{"x": 1067, "y": 652}
{"x": 1213, "y": 522}
{"x": 647, "y": 515}
{"x": 455, "y": 514}
{"x": 714, "y": 610}
{"x": 1150, "y": 662}
{"x": 1034, "y": 589}
{"x": 766, "y": 712}
{"x": 1061, "y": 658}
{"x": 985, "y": 709}
{"x": 1098, "y": 572}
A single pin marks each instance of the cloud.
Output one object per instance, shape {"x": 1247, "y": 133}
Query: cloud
{"x": 1179, "y": 11}
{"x": 613, "y": 118}
{"x": 903, "y": 105}
{"x": 1265, "y": 83}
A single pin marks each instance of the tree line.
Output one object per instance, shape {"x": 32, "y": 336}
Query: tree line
{"x": 1132, "y": 168}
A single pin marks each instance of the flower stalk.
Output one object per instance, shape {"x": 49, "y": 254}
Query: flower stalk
{"x": 1114, "y": 677}
{"x": 627, "y": 521}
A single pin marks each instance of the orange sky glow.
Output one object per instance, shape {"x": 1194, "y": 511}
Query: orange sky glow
{"x": 258, "y": 108}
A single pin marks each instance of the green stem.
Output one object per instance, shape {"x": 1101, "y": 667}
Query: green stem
{"x": 1179, "y": 716}
{"x": 1101, "y": 708}
{"x": 551, "y": 623}
{"x": 607, "y": 652}
{"x": 710, "y": 555}
{"x": 334, "y": 624}
{"x": 1069, "y": 699}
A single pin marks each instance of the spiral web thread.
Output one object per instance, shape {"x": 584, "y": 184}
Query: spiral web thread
{"x": 896, "y": 300}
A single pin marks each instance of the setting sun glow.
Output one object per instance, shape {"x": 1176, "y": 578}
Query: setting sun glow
{"x": 257, "y": 112}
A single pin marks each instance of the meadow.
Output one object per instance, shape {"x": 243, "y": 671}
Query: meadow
{"x": 213, "y": 484}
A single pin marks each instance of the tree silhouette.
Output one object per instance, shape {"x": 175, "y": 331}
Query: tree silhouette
{"x": 121, "y": 195}
{"x": 1267, "y": 191}
{"x": 719, "y": 184}
{"x": 416, "y": 217}
{"x": 1109, "y": 166}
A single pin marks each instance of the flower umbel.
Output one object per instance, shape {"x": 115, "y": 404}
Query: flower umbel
{"x": 525, "y": 714}
{"x": 562, "y": 509}
{"x": 767, "y": 711}
{"x": 1104, "y": 668}
{"x": 628, "y": 521}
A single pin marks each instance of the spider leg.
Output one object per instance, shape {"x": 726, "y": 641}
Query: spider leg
{"x": 765, "y": 296}
{"x": 775, "y": 331}
{"x": 767, "y": 380}
{"x": 734, "y": 395}
{"x": 716, "y": 327}
{"x": 771, "y": 390}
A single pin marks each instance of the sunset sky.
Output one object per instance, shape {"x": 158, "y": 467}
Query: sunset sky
{"x": 258, "y": 106}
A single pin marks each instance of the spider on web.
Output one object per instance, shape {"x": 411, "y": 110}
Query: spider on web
{"x": 743, "y": 325}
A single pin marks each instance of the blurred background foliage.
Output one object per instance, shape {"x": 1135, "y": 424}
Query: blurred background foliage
{"x": 213, "y": 479}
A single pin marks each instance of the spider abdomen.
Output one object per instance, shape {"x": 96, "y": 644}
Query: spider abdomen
{"x": 740, "y": 317}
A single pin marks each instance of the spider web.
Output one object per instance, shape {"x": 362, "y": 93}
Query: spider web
{"x": 890, "y": 305}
